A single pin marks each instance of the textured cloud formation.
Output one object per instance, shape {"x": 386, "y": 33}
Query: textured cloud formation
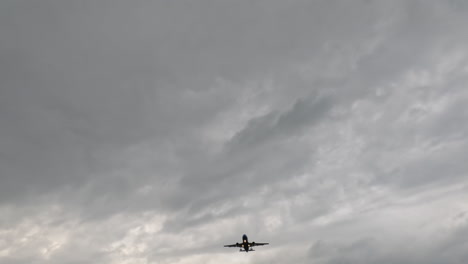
{"x": 157, "y": 131}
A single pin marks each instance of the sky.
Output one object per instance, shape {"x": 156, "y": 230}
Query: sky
{"x": 158, "y": 131}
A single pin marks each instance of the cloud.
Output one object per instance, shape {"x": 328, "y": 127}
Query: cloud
{"x": 156, "y": 132}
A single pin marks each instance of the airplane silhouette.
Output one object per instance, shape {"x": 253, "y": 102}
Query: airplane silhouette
{"x": 245, "y": 245}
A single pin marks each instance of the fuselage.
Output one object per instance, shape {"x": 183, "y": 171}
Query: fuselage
{"x": 245, "y": 243}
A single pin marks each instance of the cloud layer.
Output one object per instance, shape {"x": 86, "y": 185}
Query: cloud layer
{"x": 157, "y": 131}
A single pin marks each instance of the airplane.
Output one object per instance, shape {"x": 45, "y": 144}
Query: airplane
{"x": 246, "y": 246}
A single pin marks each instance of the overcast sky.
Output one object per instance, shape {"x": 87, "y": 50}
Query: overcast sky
{"x": 157, "y": 131}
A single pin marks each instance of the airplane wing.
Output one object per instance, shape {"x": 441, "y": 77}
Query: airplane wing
{"x": 234, "y": 245}
{"x": 253, "y": 244}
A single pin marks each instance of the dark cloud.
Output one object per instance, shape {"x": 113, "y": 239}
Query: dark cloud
{"x": 157, "y": 131}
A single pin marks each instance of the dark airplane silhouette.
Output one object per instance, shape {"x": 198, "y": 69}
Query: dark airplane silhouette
{"x": 246, "y": 245}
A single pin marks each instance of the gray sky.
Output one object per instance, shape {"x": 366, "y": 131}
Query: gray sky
{"x": 157, "y": 131}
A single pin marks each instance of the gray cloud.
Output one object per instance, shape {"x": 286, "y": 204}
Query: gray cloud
{"x": 154, "y": 132}
{"x": 368, "y": 250}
